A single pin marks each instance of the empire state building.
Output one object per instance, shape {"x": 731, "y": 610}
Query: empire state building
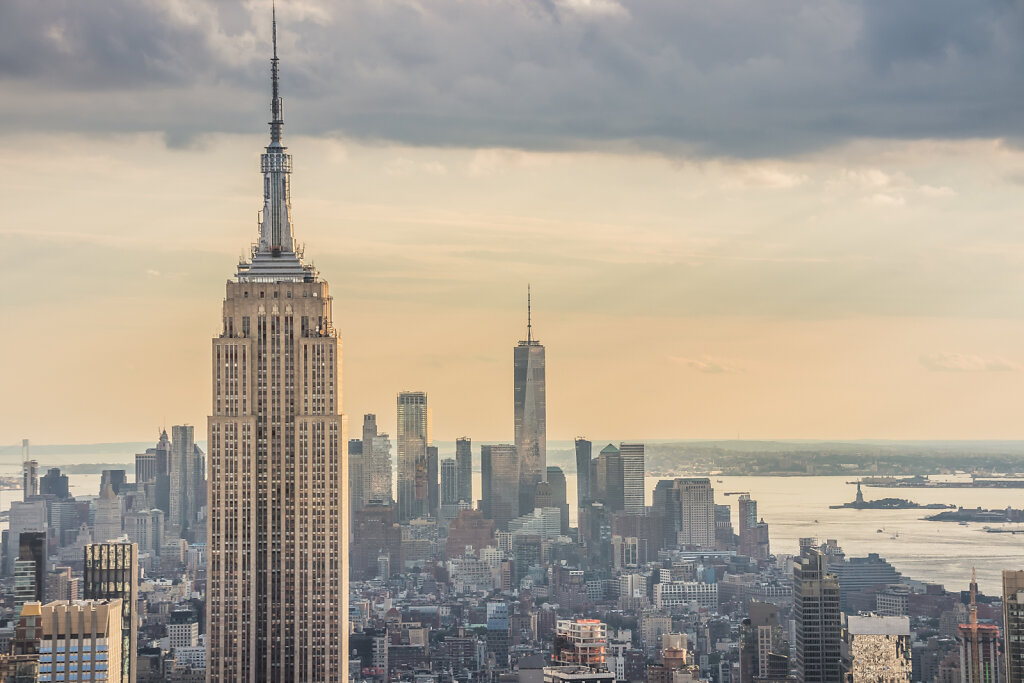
{"x": 278, "y": 464}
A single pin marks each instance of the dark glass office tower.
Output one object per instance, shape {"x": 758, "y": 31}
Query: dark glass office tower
{"x": 584, "y": 451}
{"x": 464, "y": 465}
{"x": 499, "y": 467}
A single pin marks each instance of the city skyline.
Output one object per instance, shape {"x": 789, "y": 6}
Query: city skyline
{"x": 691, "y": 268}
{"x": 722, "y": 244}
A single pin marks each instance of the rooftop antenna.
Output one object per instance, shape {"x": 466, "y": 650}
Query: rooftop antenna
{"x": 529, "y": 321}
{"x": 275, "y": 104}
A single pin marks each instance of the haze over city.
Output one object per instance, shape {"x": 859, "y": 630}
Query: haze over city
{"x": 721, "y": 301}
{"x": 791, "y": 221}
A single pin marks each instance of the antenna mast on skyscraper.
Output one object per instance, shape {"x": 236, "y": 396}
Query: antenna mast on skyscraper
{"x": 529, "y": 320}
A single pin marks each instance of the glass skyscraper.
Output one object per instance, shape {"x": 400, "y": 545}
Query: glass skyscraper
{"x": 530, "y": 415}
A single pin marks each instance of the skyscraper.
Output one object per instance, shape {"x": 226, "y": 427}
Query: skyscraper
{"x": 433, "y": 474}
{"x": 450, "y": 484}
{"x": 609, "y": 485}
{"x": 278, "y": 525}
{"x": 413, "y": 439}
{"x": 182, "y": 473}
{"x": 355, "y": 475}
{"x": 1013, "y": 624}
{"x": 697, "y": 512}
{"x": 556, "y": 480}
{"x": 112, "y": 573}
{"x": 747, "y": 512}
{"x": 107, "y": 520}
{"x": 376, "y": 462}
{"x": 54, "y": 484}
{"x": 632, "y": 477}
{"x": 584, "y": 450}
{"x": 29, "y": 478}
{"x": 499, "y": 481}
{"x": 530, "y": 413}
{"x": 818, "y": 620}
{"x": 464, "y": 462}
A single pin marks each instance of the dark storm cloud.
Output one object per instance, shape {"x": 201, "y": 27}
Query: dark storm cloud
{"x": 734, "y": 77}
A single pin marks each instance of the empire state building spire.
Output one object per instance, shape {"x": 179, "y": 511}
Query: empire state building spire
{"x": 276, "y": 105}
{"x": 275, "y": 257}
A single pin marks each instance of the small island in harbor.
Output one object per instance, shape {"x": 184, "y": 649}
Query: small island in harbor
{"x": 964, "y": 515}
{"x": 887, "y": 504}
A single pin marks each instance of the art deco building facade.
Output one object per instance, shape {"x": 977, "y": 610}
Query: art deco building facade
{"x": 278, "y": 516}
{"x": 530, "y": 412}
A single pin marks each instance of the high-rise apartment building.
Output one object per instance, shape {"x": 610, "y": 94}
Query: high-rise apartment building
{"x": 584, "y": 451}
{"x": 582, "y": 642}
{"x": 696, "y": 512}
{"x": 530, "y": 413}
{"x": 877, "y": 649}
{"x": 499, "y": 481}
{"x": 747, "y": 512}
{"x": 464, "y": 462}
{"x": 111, "y": 572}
{"x": 80, "y": 641}
{"x": 277, "y": 575}
{"x": 413, "y": 438}
{"x": 632, "y": 455}
{"x": 1013, "y": 624}
{"x": 818, "y": 620}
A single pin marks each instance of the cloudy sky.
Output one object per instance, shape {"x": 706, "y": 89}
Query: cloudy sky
{"x": 770, "y": 220}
